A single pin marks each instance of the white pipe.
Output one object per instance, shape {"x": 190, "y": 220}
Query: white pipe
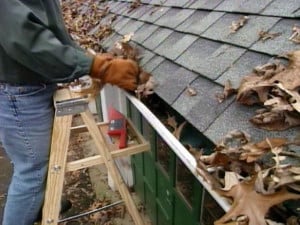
{"x": 177, "y": 147}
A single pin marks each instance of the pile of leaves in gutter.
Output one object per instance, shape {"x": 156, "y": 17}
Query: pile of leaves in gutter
{"x": 259, "y": 178}
{"x": 255, "y": 176}
{"x": 276, "y": 87}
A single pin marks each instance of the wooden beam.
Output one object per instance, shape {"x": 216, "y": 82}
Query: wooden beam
{"x": 104, "y": 151}
{"x": 97, "y": 159}
{"x": 57, "y": 165}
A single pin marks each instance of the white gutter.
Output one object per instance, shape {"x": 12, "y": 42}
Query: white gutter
{"x": 177, "y": 147}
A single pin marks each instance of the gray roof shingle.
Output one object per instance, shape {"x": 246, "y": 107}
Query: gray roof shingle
{"x": 189, "y": 43}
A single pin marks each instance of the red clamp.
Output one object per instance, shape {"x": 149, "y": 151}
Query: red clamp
{"x": 117, "y": 126}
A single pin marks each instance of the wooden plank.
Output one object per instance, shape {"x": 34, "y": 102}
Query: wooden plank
{"x": 104, "y": 151}
{"x": 97, "y": 159}
{"x": 57, "y": 164}
{"x": 83, "y": 128}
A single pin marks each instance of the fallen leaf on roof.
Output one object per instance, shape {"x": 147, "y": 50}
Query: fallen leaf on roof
{"x": 227, "y": 92}
{"x": 127, "y": 37}
{"x": 236, "y": 25}
{"x": 134, "y": 5}
{"x": 276, "y": 87}
{"x": 191, "y": 91}
{"x": 271, "y": 121}
{"x": 84, "y": 22}
{"x": 125, "y": 50}
{"x": 265, "y": 35}
{"x": 295, "y": 37}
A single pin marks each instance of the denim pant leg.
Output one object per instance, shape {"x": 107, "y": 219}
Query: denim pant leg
{"x": 26, "y": 118}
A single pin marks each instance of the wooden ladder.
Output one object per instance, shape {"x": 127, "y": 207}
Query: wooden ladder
{"x": 58, "y": 164}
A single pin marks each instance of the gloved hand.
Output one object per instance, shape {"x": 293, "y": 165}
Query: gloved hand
{"x": 120, "y": 72}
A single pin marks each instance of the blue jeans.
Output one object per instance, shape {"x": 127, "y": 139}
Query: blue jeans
{"x": 26, "y": 118}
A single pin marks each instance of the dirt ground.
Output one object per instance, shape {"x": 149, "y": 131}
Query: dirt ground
{"x": 87, "y": 189}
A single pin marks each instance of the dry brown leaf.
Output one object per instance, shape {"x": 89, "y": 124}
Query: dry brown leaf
{"x": 84, "y": 23}
{"x": 127, "y": 37}
{"x": 295, "y": 37}
{"x": 227, "y": 92}
{"x": 289, "y": 78}
{"x": 265, "y": 35}
{"x": 135, "y": 4}
{"x": 231, "y": 179}
{"x": 295, "y": 96}
{"x": 276, "y": 120}
{"x": 247, "y": 202}
{"x": 178, "y": 130}
{"x": 171, "y": 121}
{"x": 191, "y": 91}
{"x": 125, "y": 50}
{"x": 236, "y": 25}
{"x": 256, "y": 86}
{"x": 143, "y": 90}
{"x": 268, "y": 70}
{"x": 252, "y": 151}
{"x": 276, "y": 87}
{"x": 215, "y": 159}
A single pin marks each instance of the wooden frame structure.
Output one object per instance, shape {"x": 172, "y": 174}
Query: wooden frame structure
{"x": 58, "y": 164}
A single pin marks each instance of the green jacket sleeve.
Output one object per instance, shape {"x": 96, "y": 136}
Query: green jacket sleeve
{"x": 27, "y": 38}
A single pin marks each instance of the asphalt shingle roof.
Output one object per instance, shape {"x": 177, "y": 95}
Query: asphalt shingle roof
{"x": 189, "y": 43}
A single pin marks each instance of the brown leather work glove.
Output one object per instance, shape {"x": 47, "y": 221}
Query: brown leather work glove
{"x": 120, "y": 72}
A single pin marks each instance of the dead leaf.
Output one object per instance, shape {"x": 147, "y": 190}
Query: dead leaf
{"x": 191, "y": 91}
{"x": 135, "y": 4}
{"x": 227, "y": 92}
{"x": 277, "y": 88}
{"x": 127, "y": 37}
{"x": 125, "y": 50}
{"x": 146, "y": 85}
{"x": 247, "y": 202}
{"x": 265, "y": 35}
{"x": 231, "y": 179}
{"x": 236, "y": 25}
{"x": 295, "y": 37}
{"x": 253, "y": 151}
{"x": 178, "y": 130}
{"x": 276, "y": 120}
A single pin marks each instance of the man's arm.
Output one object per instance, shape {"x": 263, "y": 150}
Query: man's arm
{"x": 28, "y": 40}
